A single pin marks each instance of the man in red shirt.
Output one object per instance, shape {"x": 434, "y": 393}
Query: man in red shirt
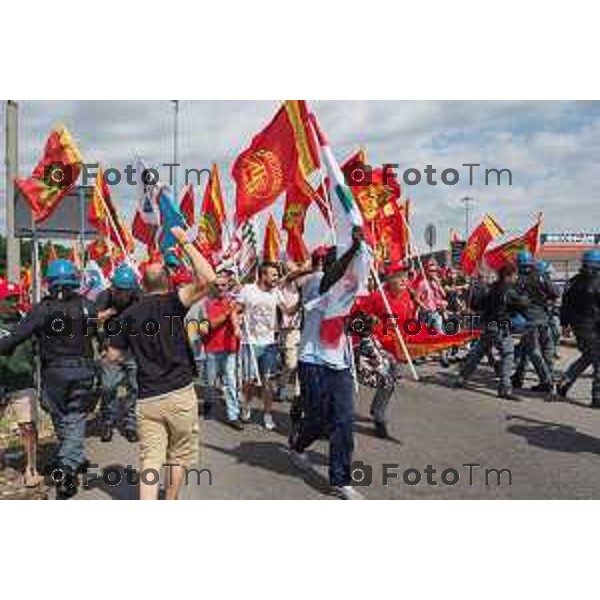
{"x": 384, "y": 364}
{"x": 221, "y": 345}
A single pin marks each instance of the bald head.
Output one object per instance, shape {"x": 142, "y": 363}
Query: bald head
{"x": 155, "y": 279}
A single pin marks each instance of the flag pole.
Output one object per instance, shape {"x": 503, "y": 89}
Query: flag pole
{"x": 417, "y": 252}
{"x": 246, "y": 330}
{"x": 334, "y": 239}
{"x": 386, "y": 302}
{"x": 114, "y": 228}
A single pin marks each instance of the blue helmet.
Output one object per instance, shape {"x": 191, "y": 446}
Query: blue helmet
{"x": 542, "y": 266}
{"x": 124, "y": 278}
{"x": 591, "y": 258}
{"x": 525, "y": 259}
{"x": 171, "y": 260}
{"x": 62, "y": 273}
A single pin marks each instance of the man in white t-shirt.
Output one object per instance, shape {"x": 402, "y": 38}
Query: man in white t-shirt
{"x": 259, "y": 302}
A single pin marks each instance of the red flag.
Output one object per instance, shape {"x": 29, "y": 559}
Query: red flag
{"x": 506, "y": 253}
{"x": 272, "y": 162}
{"x": 146, "y": 220}
{"x": 54, "y": 176}
{"x": 477, "y": 243}
{"x": 296, "y": 249}
{"x": 187, "y": 204}
{"x": 390, "y": 232}
{"x": 272, "y": 242}
{"x": 103, "y": 215}
{"x": 212, "y": 217}
{"x": 99, "y": 251}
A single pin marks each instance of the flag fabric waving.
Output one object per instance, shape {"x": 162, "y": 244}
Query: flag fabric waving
{"x": 390, "y": 232}
{"x": 272, "y": 242}
{"x": 337, "y": 303}
{"x": 272, "y": 162}
{"x": 296, "y": 249}
{"x": 54, "y": 176}
{"x": 477, "y": 244}
{"x": 507, "y": 252}
{"x": 103, "y": 215}
{"x": 212, "y": 217}
{"x": 187, "y": 204}
{"x": 297, "y": 201}
{"x": 379, "y": 190}
{"x": 146, "y": 221}
{"x": 99, "y": 251}
{"x": 169, "y": 217}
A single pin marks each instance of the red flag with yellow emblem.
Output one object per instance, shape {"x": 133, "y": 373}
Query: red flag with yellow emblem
{"x": 103, "y": 215}
{"x": 212, "y": 217}
{"x": 373, "y": 190}
{"x": 507, "y": 252}
{"x": 272, "y": 162}
{"x": 272, "y": 242}
{"x": 390, "y": 232}
{"x": 477, "y": 243}
{"x": 54, "y": 176}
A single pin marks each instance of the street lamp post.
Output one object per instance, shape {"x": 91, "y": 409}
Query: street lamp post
{"x": 175, "y": 143}
{"x": 467, "y": 202}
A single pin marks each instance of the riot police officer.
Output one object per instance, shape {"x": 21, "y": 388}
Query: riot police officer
{"x": 580, "y": 310}
{"x": 536, "y": 342}
{"x": 110, "y": 304}
{"x": 64, "y": 325}
{"x": 500, "y": 306}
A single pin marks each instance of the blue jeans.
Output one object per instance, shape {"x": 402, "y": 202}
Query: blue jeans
{"x": 327, "y": 400}
{"x": 66, "y": 394}
{"x": 267, "y": 357}
{"x": 223, "y": 366}
{"x": 113, "y": 376}
{"x": 503, "y": 342}
{"x": 536, "y": 346}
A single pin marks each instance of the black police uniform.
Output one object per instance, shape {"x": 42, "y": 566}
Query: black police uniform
{"x": 580, "y": 309}
{"x": 501, "y": 303}
{"x": 64, "y": 326}
{"x": 115, "y": 375}
{"x": 536, "y": 343}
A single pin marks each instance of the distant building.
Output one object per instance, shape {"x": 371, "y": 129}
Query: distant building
{"x": 563, "y": 251}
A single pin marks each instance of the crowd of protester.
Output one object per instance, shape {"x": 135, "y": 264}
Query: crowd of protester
{"x": 250, "y": 346}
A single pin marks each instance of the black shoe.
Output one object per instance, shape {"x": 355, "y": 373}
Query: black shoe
{"x": 561, "y": 390}
{"x": 236, "y": 424}
{"x": 381, "y": 430}
{"x": 106, "y": 434}
{"x": 131, "y": 436}
{"x": 516, "y": 383}
{"x": 67, "y": 488}
{"x": 458, "y": 383}
{"x": 208, "y": 411}
{"x": 83, "y": 467}
{"x": 542, "y": 387}
{"x": 508, "y": 395}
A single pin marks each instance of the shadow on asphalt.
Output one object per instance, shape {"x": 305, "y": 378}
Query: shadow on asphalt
{"x": 121, "y": 491}
{"x": 369, "y": 431}
{"x": 274, "y": 456}
{"x": 553, "y": 436}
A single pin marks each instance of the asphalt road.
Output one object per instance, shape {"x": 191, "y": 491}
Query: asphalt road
{"x": 551, "y": 449}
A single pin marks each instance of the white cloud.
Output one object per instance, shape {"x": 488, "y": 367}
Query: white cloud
{"x": 552, "y": 148}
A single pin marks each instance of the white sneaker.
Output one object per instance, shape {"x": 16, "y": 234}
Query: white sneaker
{"x": 348, "y": 492}
{"x": 300, "y": 460}
{"x": 245, "y": 415}
{"x": 268, "y": 421}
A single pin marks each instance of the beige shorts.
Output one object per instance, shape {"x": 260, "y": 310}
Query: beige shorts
{"x": 23, "y": 406}
{"x": 169, "y": 429}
